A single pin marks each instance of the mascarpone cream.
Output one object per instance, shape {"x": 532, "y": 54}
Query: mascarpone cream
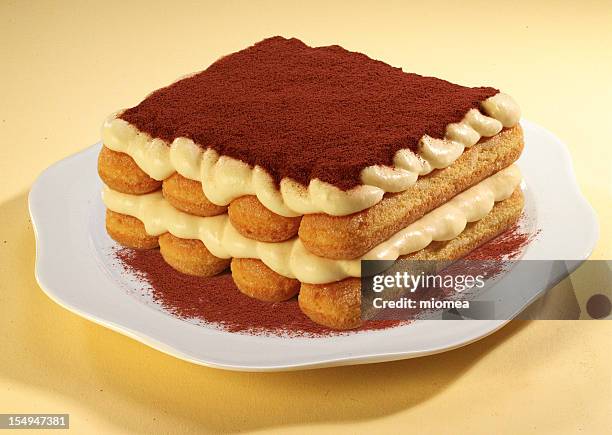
{"x": 290, "y": 258}
{"x": 224, "y": 178}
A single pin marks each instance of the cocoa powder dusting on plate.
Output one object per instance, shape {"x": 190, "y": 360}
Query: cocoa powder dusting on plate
{"x": 216, "y": 300}
{"x": 509, "y": 245}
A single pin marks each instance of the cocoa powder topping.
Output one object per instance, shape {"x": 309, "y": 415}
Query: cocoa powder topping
{"x": 304, "y": 113}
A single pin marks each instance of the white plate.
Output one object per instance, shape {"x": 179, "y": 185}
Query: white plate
{"x": 74, "y": 269}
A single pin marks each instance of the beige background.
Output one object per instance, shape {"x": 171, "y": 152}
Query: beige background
{"x": 65, "y": 65}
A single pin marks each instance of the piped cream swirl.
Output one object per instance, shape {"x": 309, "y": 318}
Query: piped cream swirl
{"x": 224, "y": 178}
{"x": 290, "y": 258}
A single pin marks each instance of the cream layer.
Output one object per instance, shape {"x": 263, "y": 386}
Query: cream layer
{"x": 290, "y": 258}
{"x": 224, "y": 178}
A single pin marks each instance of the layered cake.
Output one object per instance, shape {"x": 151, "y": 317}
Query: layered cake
{"x": 290, "y": 164}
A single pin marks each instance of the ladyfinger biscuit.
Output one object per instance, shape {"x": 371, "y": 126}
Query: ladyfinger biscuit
{"x": 347, "y": 237}
{"x": 254, "y": 221}
{"x": 187, "y": 195}
{"x": 190, "y": 256}
{"x": 337, "y": 305}
{"x": 120, "y": 172}
{"x": 255, "y": 279}
{"x": 129, "y": 231}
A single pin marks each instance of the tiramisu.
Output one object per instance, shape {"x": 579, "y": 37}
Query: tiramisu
{"x": 291, "y": 164}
